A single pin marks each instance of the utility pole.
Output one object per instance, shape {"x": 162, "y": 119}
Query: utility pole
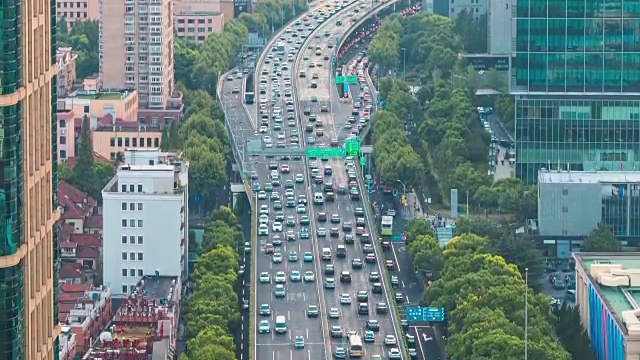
{"x": 467, "y": 204}
{"x": 526, "y": 313}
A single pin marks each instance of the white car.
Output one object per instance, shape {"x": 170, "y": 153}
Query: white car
{"x": 264, "y": 129}
{"x": 345, "y": 299}
{"x": 264, "y": 219}
{"x": 277, "y": 258}
{"x": 394, "y": 354}
{"x": 265, "y": 278}
{"x": 334, "y": 313}
{"x": 262, "y": 195}
{"x": 264, "y": 210}
{"x": 390, "y": 340}
{"x": 263, "y": 230}
{"x": 309, "y": 276}
{"x": 277, "y": 226}
{"x": 280, "y": 277}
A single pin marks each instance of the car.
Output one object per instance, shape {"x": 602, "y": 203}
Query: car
{"x": 334, "y": 232}
{"x": 321, "y": 232}
{"x": 413, "y": 353}
{"x": 367, "y": 248}
{"x": 293, "y": 256}
{"x": 330, "y": 283}
{"x": 329, "y": 269}
{"x": 280, "y": 277}
{"x": 390, "y": 340}
{"x": 346, "y": 226}
{"x": 304, "y": 220}
{"x": 348, "y": 239}
{"x": 312, "y": 311}
{"x": 399, "y": 297}
{"x": 334, "y": 313}
{"x": 268, "y": 248}
{"x": 394, "y": 281}
{"x": 322, "y": 216}
{"x": 390, "y": 265}
{"x": 356, "y": 264}
{"x": 291, "y": 221}
{"x": 277, "y": 258}
{"x": 276, "y": 240}
{"x": 374, "y": 276}
{"x": 336, "y": 332}
{"x": 247, "y": 247}
{"x": 262, "y": 195}
{"x": 299, "y": 342}
{"x": 376, "y": 288}
{"x": 299, "y": 178}
{"x": 370, "y": 259}
{"x": 362, "y": 296}
{"x": 335, "y": 219}
{"x": 309, "y": 276}
{"x": 373, "y": 325}
{"x": 394, "y": 354}
{"x": 264, "y": 327}
{"x": 345, "y": 299}
{"x": 265, "y": 310}
{"x": 277, "y": 226}
{"x": 369, "y": 336}
{"x": 341, "y": 352}
{"x": 265, "y": 278}
{"x": 304, "y": 233}
{"x": 295, "y": 276}
{"x": 263, "y": 230}
{"x": 308, "y": 256}
{"x": 279, "y": 291}
{"x": 301, "y": 209}
{"x": 382, "y": 308}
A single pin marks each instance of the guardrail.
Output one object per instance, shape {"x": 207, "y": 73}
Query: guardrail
{"x": 364, "y": 18}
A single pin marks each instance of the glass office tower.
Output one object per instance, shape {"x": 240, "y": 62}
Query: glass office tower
{"x": 576, "y": 79}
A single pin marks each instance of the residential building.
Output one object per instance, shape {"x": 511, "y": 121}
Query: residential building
{"x": 451, "y": 8}
{"x": 145, "y": 217}
{"x": 122, "y": 104}
{"x": 111, "y": 138}
{"x": 607, "y": 299}
{"x": 67, "y": 344}
{"x": 500, "y": 32}
{"x": 136, "y": 49}
{"x": 145, "y": 325}
{"x": 66, "y": 60}
{"x": 30, "y": 325}
{"x": 85, "y": 310}
{"x": 197, "y": 19}
{"x": 77, "y": 10}
{"x": 66, "y": 135}
{"x": 576, "y": 80}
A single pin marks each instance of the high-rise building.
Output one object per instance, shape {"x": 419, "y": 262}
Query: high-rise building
{"x": 576, "y": 81}
{"x": 29, "y": 325}
{"x": 136, "y": 49}
{"x": 452, "y": 9}
{"x": 499, "y": 29}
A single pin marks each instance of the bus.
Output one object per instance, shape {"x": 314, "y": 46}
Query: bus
{"x": 248, "y": 97}
{"x": 355, "y": 346}
{"x": 386, "y": 225}
{"x": 280, "y": 46}
{"x": 281, "y": 325}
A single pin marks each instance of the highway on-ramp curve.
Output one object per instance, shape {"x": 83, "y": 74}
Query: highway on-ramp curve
{"x": 280, "y": 129}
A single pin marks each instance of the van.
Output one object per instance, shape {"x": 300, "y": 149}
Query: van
{"x": 281, "y": 325}
{"x": 326, "y": 254}
{"x": 318, "y": 198}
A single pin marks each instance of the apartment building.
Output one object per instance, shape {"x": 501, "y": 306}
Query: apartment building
{"x": 452, "y": 8}
{"x": 30, "y": 325}
{"x": 136, "y": 49}
{"x": 197, "y": 20}
{"x": 113, "y": 137}
{"x": 145, "y": 219}
{"x": 67, "y": 344}
{"x": 66, "y": 60}
{"x": 122, "y": 104}
{"x": 66, "y": 137}
{"x": 77, "y": 10}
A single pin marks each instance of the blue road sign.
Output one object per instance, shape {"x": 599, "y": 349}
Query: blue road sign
{"x": 432, "y": 314}
{"x": 396, "y": 238}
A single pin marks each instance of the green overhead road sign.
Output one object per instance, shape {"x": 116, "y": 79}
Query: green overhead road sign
{"x": 352, "y": 147}
{"x": 325, "y": 152}
{"x": 339, "y": 80}
{"x": 352, "y": 79}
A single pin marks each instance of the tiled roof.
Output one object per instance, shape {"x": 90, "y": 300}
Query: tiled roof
{"x": 76, "y": 195}
{"x": 68, "y": 245}
{"x": 70, "y": 271}
{"x": 75, "y": 203}
{"x": 86, "y": 252}
{"x": 75, "y": 288}
{"x": 94, "y": 240}
{"x": 65, "y": 230}
{"x": 64, "y": 309}
{"x": 71, "y": 161}
{"x": 93, "y": 222}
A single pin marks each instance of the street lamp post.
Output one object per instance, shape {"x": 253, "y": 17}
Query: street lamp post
{"x": 404, "y": 63}
{"x": 404, "y": 193}
{"x": 526, "y": 313}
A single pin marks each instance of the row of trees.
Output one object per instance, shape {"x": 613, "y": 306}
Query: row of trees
{"x": 83, "y": 37}
{"x": 212, "y": 314}
{"x": 484, "y": 296}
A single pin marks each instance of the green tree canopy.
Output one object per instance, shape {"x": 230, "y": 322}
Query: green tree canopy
{"x": 84, "y": 39}
{"x": 601, "y": 239}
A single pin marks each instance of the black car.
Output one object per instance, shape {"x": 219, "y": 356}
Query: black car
{"x": 348, "y": 239}
{"x": 363, "y": 309}
{"x": 345, "y": 277}
{"x": 329, "y": 269}
{"x": 346, "y": 226}
{"x": 382, "y": 308}
{"x": 376, "y": 288}
{"x": 334, "y": 232}
{"x": 322, "y": 216}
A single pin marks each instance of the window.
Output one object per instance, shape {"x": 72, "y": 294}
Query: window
{"x": 124, "y": 289}
{"x": 132, "y": 239}
{"x": 132, "y": 223}
{"x": 126, "y": 142}
{"x": 140, "y": 272}
{"x": 63, "y": 140}
{"x": 132, "y": 272}
{"x": 132, "y": 256}
{"x": 139, "y": 206}
{"x": 565, "y": 192}
{"x": 124, "y": 255}
{"x": 156, "y": 142}
{"x": 132, "y": 288}
{"x": 565, "y": 209}
{"x": 124, "y": 206}
{"x": 63, "y": 154}
{"x": 124, "y": 223}
{"x": 132, "y": 188}
{"x": 132, "y": 206}
{"x": 140, "y": 240}
{"x": 134, "y": 142}
{"x": 139, "y": 188}
{"x": 140, "y": 256}
{"x": 124, "y": 188}
{"x": 140, "y": 223}
{"x": 112, "y": 155}
{"x": 124, "y": 272}
{"x": 63, "y": 123}
{"x": 86, "y": 107}
{"x": 119, "y": 141}
{"x": 124, "y": 239}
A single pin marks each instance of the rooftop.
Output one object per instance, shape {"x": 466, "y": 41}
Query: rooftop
{"x": 99, "y": 95}
{"x": 618, "y": 299}
{"x": 158, "y": 288}
{"x": 588, "y": 177}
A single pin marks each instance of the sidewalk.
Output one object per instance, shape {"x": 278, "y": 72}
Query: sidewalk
{"x": 414, "y": 207}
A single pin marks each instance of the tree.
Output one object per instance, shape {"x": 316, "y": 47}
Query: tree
{"x": 174, "y": 136}
{"x": 572, "y": 334}
{"x": 472, "y": 32}
{"x": 601, "y": 239}
{"x": 62, "y": 28}
{"x": 212, "y": 343}
{"x": 84, "y": 172}
{"x": 164, "y": 140}
{"x": 426, "y": 254}
{"x": 84, "y": 39}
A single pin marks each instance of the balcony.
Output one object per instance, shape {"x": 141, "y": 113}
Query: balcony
{"x": 174, "y": 102}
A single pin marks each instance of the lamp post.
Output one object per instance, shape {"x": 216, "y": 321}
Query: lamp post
{"x": 404, "y": 194}
{"x": 526, "y": 313}
{"x": 404, "y": 63}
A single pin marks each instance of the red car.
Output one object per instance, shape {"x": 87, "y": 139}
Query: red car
{"x": 284, "y": 168}
{"x": 370, "y": 259}
{"x": 390, "y": 265}
{"x": 268, "y": 249}
{"x": 359, "y": 230}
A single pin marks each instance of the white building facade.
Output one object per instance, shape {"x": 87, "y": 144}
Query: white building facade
{"x": 145, "y": 220}
{"x": 500, "y": 32}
